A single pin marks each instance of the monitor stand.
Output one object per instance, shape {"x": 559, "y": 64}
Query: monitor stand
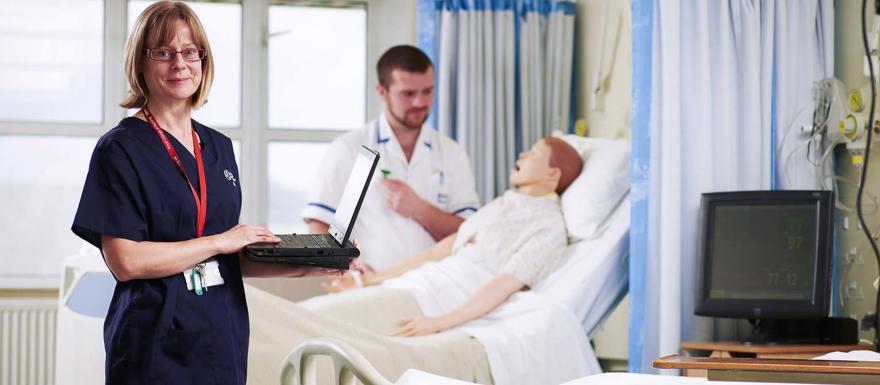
{"x": 829, "y": 330}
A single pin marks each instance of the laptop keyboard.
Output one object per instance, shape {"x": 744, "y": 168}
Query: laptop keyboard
{"x": 305, "y": 240}
{"x": 321, "y": 240}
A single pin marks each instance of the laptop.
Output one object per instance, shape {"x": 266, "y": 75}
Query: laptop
{"x": 333, "y": 250}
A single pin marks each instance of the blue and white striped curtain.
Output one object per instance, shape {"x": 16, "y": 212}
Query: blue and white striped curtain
{"x": 504, "y": 77}
{"x": 716, "y": 84}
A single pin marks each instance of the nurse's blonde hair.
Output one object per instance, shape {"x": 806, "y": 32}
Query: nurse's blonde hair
{"x": 157, "y": 24}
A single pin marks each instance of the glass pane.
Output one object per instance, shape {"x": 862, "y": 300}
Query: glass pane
{"x": 222, "y": 22}
{"x": 39, "y": 199}
{"x": 292, "y": 172}
{"x": 52, "y": 62}
{"x": 317, "y": 67}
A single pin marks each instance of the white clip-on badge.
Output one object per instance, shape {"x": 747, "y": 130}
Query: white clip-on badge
{"x": 202, "y": 276}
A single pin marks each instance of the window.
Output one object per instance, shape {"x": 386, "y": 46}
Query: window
{"x": 40, "y": 196}
{"x": 317, "y": 67}
{"x": 292, "y": 171}
{"x": 222, "y": 22}
{"x": 51, "y": 71}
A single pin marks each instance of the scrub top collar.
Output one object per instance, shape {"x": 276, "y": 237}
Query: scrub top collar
{"x": 385, "y": 138}
{"x": 204, "y": 137}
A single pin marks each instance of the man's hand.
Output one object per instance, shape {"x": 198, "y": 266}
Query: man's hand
{"x": 402, "y": 199}
{"x": 419, "y": 326}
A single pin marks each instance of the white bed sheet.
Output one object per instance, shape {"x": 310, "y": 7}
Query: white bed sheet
{"x": 593, "y": 275}
{"x": 538, "y": 336}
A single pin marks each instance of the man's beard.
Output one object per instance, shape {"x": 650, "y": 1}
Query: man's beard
{"x": 410, "y": 124}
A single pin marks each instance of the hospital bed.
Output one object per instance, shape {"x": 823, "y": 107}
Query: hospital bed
{"x": 351, "y": 365}
{"x": 508, "y": 345}
{"x": 591, "y": 279}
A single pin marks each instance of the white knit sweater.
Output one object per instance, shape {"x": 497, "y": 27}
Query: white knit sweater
{"x": 517, "y": 234}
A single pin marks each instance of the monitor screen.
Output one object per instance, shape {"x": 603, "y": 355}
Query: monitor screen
{"x": 352, "y": 195}
{"x": 765, "y": 254}
{"x": 763, "y": 251}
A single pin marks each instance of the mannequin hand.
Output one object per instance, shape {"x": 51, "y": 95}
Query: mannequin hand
{"x": 234, "y": 239}
{"x": 310, "y": 271}
{"x": 340, "y": 284}
{"x": 419, "y": 326}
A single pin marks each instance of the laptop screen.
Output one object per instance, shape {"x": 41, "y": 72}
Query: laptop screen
{"x": 355, "y": 188}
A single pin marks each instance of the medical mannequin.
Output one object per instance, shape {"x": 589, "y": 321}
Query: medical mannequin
{"x": 425, "y": 187}
{"x": 512, "y": 243}
{"x": 520, "y": 247}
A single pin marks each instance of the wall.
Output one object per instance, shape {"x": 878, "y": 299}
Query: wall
{"x": 611, "y": 118}
{"x": 391, "y": 22}
{"x": 612, "y": 114}
{"x": 856, "y": 272}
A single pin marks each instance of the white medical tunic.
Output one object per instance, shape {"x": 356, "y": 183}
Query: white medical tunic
{"x": 439, "y": 172}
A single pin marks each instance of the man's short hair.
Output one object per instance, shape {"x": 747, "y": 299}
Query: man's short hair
{"x": 401, "y": 57}
{"x": 564, "y": 157}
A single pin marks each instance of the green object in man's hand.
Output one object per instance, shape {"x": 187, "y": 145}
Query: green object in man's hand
{"x": 385, "y": 173}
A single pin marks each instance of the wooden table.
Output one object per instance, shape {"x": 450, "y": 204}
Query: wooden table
{"x": 740, "y": 350}
{"x": 777, "y": 370}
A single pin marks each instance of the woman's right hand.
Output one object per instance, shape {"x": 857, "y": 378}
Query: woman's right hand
{"x": 236, "y": 238}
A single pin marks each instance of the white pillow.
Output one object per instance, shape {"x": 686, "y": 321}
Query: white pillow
{"x": 589, "y": 200}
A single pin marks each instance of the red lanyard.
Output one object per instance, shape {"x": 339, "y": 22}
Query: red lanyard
{"x": 201, "y": 202}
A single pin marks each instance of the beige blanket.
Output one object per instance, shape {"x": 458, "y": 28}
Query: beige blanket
{"x": 363, "y": 318}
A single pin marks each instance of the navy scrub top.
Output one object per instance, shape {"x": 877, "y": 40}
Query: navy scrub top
{"x": 157, "y": 331}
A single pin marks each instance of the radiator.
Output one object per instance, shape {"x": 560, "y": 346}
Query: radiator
{"x": 27, "y": 341}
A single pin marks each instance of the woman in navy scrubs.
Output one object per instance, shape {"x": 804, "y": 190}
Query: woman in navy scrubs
{"x": 162, "y": 200}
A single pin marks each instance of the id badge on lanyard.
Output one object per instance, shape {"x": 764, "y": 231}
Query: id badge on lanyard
{"x": 439, "y": 178}
{"x": 198, "y": 277}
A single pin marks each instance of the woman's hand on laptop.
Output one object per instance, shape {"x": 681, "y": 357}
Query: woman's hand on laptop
{"x": 236, "y": 238}
{"x": 360, "y": 266}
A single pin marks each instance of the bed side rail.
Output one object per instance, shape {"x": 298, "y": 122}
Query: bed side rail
{"x": 299, "y": 366}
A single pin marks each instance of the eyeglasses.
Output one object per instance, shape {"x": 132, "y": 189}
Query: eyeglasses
{"x": 189, "y": 54}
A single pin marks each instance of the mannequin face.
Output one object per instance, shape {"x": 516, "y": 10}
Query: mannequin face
{"x": 533, "y": 167}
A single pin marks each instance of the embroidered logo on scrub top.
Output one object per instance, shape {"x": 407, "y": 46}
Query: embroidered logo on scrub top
{"x": 230, "y": 177}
